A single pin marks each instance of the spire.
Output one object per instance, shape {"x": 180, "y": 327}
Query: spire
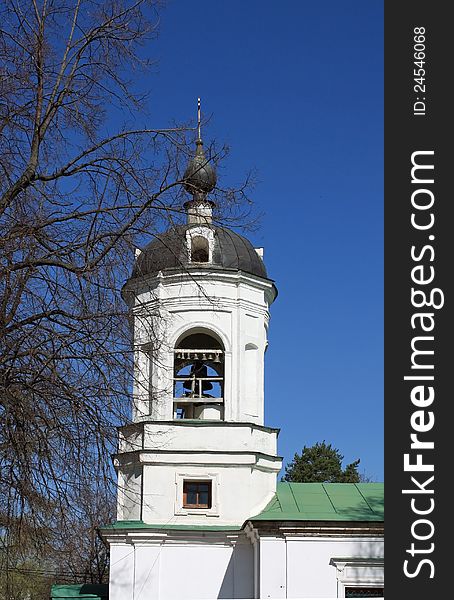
{"x": 199, "y": 180}
{"x": 199, "y": 120}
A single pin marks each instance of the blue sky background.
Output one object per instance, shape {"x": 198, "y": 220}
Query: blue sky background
{"x": 295, "y": 88}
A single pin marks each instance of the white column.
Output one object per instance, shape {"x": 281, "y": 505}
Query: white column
{"x": 162, "y": 385}
{"x": 256, "y": 568}
{"x": 141, "y": 385}
{"x": 146, "y": 575}
{"x": 243, "y": 568}
{"x": 273, "y": 568}
{"x": 121, "y": 580}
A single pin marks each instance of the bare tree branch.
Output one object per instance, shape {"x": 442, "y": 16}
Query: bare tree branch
{"x": 80, "y": 189}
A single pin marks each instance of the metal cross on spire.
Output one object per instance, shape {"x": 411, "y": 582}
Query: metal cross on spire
{"x": 198, "y": 120}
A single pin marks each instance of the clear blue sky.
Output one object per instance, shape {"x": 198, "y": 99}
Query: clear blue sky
{"x": 295, "y": 88}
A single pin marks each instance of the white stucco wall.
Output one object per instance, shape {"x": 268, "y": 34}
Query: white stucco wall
{"x": 234, "y": 306}
{"x": 240, "y": 460}
{"x": 190, "y": 565}
{"x": 238, "y": 493}
{"x": 299, "y": 567}
{"x": 129, "y": 492}
{"x": 190, "y": 436}
{"x": 121, "y": 573}
{"x": 221, "y": 567}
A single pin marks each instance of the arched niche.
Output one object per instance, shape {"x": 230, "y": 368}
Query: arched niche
{"x": 200, "y": 249}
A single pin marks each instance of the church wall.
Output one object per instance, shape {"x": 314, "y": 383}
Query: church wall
{"x": 183, "y": 570}
{"x": 238, "y": 493}
{"x": 309, "y": 573}
{"x": 213, "y": 437}
{"x": 206, "y": 571}
{"x": 300, "y": 567}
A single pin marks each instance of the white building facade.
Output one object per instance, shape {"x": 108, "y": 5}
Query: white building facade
{"x": 199, "y": 512}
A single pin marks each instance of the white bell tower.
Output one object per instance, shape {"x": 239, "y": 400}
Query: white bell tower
{"x": 198, "y": 452}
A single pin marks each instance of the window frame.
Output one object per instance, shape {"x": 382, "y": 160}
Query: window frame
{"x": 198, "y": 505}
{"x": 197, "y": 476}
{"x": 358, "y": 572}
{"x": 204, "y": 232}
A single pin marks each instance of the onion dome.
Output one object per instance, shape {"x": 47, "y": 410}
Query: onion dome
{"x": 198, "y": 244}
{"x": 200, "y": 176}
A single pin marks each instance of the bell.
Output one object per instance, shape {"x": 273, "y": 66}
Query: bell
{"x": 217, "y": 358}
{"x": 199, "y": 370}
{"x": 187, "y": 385}
{"x": 206, "y": 385}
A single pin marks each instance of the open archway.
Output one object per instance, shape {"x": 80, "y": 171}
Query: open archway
{"x": 198, "y": 374}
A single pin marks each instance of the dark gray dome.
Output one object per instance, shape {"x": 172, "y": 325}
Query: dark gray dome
{"x": 169, "y": 251}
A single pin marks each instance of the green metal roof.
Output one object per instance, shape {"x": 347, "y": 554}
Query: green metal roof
{"x": 86, "y": 590}
{"x": 119, "y": 525}
{"x": 325, "y": 502}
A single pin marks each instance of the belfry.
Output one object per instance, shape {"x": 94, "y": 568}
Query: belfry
{"x": 199, "y": 511}
{"x": 203, "y": 291}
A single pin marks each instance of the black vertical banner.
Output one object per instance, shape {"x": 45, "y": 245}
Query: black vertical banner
{"x": 419, "y": 332}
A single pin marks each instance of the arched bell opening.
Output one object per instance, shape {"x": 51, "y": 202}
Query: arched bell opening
{"x": 198, "y": 375}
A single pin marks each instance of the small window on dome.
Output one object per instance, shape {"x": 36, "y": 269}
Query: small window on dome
{"x": 200, "y": 251}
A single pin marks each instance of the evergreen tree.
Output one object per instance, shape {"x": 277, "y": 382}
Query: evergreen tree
{"x": 321, "y": 463}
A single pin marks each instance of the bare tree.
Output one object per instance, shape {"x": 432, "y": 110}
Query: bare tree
{"x": 80, "y": 186}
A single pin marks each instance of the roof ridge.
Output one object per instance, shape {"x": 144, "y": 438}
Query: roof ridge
{"x": 329, "y": 498}
{"x": 293, "y": 496}
{"x": 365, "y": 499}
